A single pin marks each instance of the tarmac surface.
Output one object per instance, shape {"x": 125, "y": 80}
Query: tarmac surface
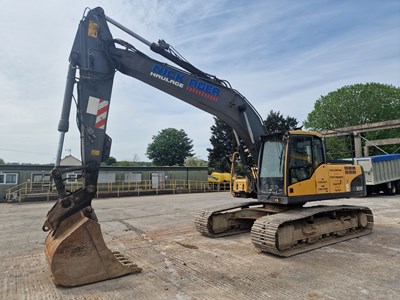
{"x": 157, "y": 233}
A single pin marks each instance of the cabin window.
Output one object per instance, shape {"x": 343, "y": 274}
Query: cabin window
{"x": 133, "y": 177}
{"x": 305, "y": 155}
{"x": 8, "y": 178}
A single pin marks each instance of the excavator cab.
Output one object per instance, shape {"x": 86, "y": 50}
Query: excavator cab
{"x": 293, "y": 170}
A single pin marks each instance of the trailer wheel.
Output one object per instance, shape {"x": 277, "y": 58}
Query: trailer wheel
{"x": 370, "y": 190}
{"x": 391, "y": 188}
{"x": 397, "y": 187}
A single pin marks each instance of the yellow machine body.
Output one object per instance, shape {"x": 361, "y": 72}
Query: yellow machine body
{"x": 327, "y": 179}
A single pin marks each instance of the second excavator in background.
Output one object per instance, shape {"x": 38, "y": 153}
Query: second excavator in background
{"x": 284, "y": 171}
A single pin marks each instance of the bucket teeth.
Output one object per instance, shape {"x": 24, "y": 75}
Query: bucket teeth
{"x": 122, "y": 259}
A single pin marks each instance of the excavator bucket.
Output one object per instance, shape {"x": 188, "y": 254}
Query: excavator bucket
{"x": 77, "y": 254}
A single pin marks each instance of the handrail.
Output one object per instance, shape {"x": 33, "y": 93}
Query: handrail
{"x": 28, "y": 189}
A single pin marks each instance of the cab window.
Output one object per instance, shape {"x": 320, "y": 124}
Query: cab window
{"x": 305, "y": 155}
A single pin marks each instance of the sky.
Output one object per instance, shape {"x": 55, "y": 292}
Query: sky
{"x": 283, "y": 55}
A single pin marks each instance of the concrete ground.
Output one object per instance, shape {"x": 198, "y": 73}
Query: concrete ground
{"x": 157, "y": 233}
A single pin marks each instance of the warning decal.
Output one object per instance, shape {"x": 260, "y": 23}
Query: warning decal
{"x": 102, "y": 114}
{"x": 99, "y": 108}
{"x": 93, "y": 29}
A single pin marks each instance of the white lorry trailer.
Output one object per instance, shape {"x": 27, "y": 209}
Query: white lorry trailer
{"x": 382, "y": 173}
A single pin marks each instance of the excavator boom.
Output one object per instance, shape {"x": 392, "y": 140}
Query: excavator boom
{"x": 75, "y": 240}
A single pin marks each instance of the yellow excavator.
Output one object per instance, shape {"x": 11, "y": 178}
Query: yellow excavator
{"x": 239, "y": 186}
{"x": 284, "y": 171}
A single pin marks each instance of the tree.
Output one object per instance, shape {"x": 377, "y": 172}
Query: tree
{"x": 276, "y": 123}
{"x": 223, "y": 145}
{"x": 194, "y": 161}
{"x": 170, "y": 147}
{"x": 127, "y": 163}
{"x": 110, "y": 161}
{"x": 354, "y": 105}
{"x": 2, "y": 161}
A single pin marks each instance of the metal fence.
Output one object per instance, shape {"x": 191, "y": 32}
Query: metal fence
{"x": 29, "y": 191}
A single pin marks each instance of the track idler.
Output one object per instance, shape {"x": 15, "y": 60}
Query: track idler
{"x": 77, "y": 254}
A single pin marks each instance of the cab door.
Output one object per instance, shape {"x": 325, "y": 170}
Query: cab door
{"x": 306, "y": 172}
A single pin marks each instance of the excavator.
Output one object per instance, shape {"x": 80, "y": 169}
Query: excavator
{"x": 284, "y": 171}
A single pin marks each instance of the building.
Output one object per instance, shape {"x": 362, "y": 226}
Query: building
{"x": 70, "y": 160}
{"x": 34, "y": 181}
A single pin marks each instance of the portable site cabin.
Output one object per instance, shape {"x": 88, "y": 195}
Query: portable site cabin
{"x": 112, "y": 179}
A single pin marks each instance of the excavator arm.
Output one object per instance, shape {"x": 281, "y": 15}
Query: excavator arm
{"x": 95, "y": 57}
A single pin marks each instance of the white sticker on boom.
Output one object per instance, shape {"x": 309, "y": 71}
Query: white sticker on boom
{"x": 93, "y": 105}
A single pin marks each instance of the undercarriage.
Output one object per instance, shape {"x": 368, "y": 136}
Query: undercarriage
{"x": 285, "y": 230}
